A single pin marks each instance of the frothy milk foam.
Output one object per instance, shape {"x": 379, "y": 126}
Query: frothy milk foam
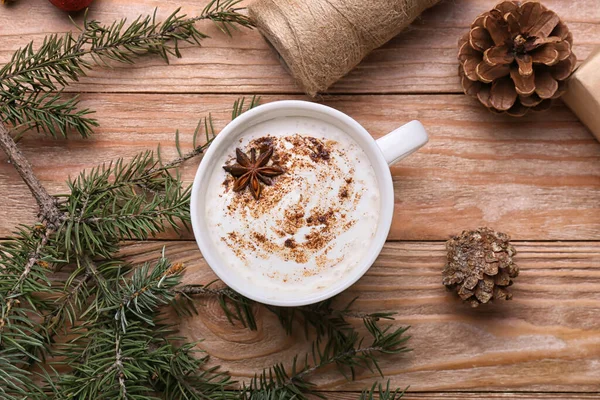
{"x": 313, "y": 225}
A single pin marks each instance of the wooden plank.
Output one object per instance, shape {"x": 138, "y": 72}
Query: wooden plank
{"x": 546, "y": 339}
{"x": 421, "y": 60}
{"x": 537, "y": 178}
{"x": 476, "y": 396}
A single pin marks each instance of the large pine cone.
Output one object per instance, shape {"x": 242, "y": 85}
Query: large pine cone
{"x": 480, "y": 266}
{"x": 516, "y": 57}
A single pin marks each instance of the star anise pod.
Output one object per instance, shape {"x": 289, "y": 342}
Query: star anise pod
{"x": 250, "y": 171}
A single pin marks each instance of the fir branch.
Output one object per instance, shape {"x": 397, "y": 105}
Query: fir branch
{"x": 345, "y": 351}
{"x": 187, "y": 376}
{"x": 49, "y": 212}
{"x": 145, "y": 291}
{"x": 63, "y": 59}
{"x": 17, "y": 383}
{"x": 84, "y": 293}
{"x": 11, "y": 301}
{"x": 128, "y": 353}
{"x": 34, "y": 258}
{"x": 92, "y": 269}
{"x": 24, "y": 292}
{"x": 27, "y": 256}
{"x": 24, "y": 273}
{"x": 49, "y": 112}
{"x": 69, "y": 305}
{"x": 119, "y": 201}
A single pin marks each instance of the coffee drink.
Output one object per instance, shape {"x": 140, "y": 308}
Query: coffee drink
{"x": 307, "y": 220}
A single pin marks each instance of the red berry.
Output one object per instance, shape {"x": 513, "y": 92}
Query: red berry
{"x": 71, "y": 5}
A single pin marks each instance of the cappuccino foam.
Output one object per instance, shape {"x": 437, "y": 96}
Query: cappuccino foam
{"x": 313, "y": 225}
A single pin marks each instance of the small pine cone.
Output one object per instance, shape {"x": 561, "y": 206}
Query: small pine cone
{"x": 480, "y": 266}
{"x": 516, "y": 57}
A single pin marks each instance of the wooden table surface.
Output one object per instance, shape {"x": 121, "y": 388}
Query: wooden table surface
{"x": 536, "y": 178}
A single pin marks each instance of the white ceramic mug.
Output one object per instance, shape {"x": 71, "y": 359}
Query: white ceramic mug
{"x": 382, "y": 153}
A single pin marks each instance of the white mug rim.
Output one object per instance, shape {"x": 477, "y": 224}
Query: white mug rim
{"x": 383, "y": 176}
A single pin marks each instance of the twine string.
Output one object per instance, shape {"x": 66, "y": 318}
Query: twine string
{"x": 320, "y": 41}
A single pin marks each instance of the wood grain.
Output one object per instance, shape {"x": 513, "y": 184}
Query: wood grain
{"x": 420, "y": 60}
{"x": 537, "y": 178}
{"x": 477, "y": 396}
{"x": 546, "y": 339}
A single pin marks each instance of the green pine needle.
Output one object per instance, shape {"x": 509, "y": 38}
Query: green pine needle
{"x": 347, "y": 351}
{"x": 32, "y": 73}
{"x": 380, "y": 392}
{"x": 66, "y": 279}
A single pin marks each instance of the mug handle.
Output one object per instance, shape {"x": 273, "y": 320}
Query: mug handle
{"x": 402, "y": 142}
